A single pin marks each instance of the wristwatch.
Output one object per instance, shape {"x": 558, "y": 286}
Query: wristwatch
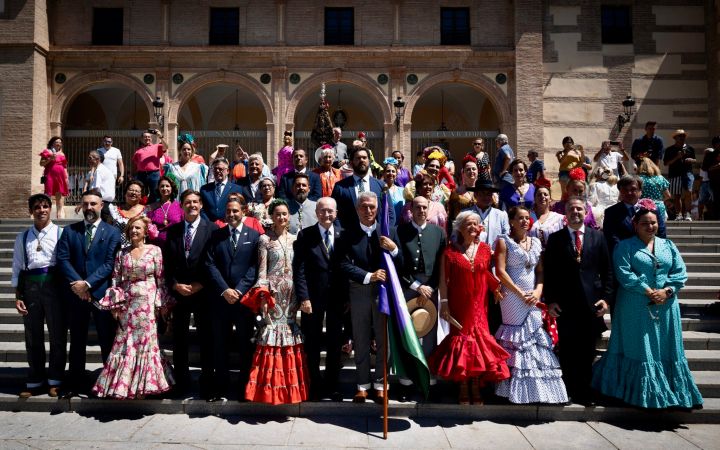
{"x": 669, "y": 291}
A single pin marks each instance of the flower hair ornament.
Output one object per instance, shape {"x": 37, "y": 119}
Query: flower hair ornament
{"x": 390, "y": 160}
{"x": 469, "y": 158}
{"x": 577, "y": 174}
{"x": 438, "y": 154}
{"x": 152, "y": 231}
{"x": 645, "y": 204}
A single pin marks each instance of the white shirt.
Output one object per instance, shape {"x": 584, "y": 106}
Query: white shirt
{"x": 572, "y": 234}
{"x": 104, "y": 180}
{"x": 48, "y": 238}
{"x": 610, "y": 161}
{"x": 195, "y": 225}
{"x": 111, "y": 158}
{"x": 366, "y": 183}
{"x": 331, "y": 237}
{"x": 416, "y": 284}
{"x": 369, "y": 230}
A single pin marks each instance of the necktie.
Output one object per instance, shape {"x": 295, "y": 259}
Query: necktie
{"x": 361, "y": 185}
{"x": 234, "y": 238}
{"x": 300, "y": 223}
{"x": 218, "y": 190}
{"x": 89, "y": 236}
{"x": 326, "y": 241}
{"x": 578, "y": 244}
{"x": 188, "y": 239}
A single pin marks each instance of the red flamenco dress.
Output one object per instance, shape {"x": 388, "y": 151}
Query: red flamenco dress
{"x": 279, "y": 372}
{"x": 470, "y": 352}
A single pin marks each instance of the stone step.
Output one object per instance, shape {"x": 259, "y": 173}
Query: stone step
{"x": 693, "y": 224}
{"x": 692, "y": 340}
{"x": 704, "y": 258}
{"x": 696, "y": 239}
{"x": 698, "y": 248}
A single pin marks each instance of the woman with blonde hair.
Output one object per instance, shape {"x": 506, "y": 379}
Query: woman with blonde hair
{"x": 655, "y": 186}
{"x": 285, "y": 163}
{"x": 602, "y": 191}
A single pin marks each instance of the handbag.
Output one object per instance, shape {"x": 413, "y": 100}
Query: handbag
{"x": 549, "y": 323}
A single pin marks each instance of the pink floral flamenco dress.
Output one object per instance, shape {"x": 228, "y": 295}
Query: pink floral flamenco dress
{"x": 136, "y": 367}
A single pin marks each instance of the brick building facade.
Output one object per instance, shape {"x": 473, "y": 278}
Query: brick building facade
{"x": 249, "y": 70}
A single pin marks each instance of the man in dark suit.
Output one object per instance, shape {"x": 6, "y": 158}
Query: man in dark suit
{"x": 214, "y": 195}
{"x": 346, "y": 190}
{"x": 231, "y": 261}
{"x": 185, "y": 275}
{"x": 361, "y": 261}
{"x": 85, "y": 255}
{"x": 578, "y": 289}
{"x": 421, "y": 244}
{"x": 250, "y": 185}
{"x": 285, "y": 183}
{"x": 318, "y": 282}
{"x": 617, "y": 224}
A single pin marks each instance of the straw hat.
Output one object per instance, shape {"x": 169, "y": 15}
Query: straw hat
{"x": 423, "y": 317}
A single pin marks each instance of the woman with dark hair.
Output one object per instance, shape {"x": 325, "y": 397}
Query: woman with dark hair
{"x": 436, "y": 214}
{"x": 536, "y": 375}
{"x": 279, "y": 372}
{"x": 133, "y": 207}
{"x": 569, "y": 158}
{"x": 259, "y": 210}
{"x": 186, "y": 173}
{"x": 463, "y": 197}
{"x": 520, "y": 192}
{"x": 285, "y": 163}
{"x": 469, "y": 352}
{"x": 645, "y": 362}
{"x": 166, "y": 211}
{"x": 482, "y": 159}
{"x": 394, "y": 192}
{"x": 434, "y": 166}
{"x": 136, "y": 367}
{"x": 545, "y": 221}
{"x": 55, "y": 175}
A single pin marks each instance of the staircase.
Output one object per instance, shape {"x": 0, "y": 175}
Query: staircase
{"x": 698, "y": 242}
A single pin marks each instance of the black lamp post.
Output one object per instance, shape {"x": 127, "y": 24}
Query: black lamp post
{"x": 624, "y": 118}
{"x": 159, "y": 116}
{"x": 399, "y": 110}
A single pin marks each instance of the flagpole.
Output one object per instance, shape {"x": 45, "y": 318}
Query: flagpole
{"x": 385, "y": 382}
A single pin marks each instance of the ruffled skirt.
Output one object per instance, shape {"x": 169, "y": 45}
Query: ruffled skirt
{"x": 127, "y": 376}
{"x": 460, "y": 357}
{"x": 536, "y": 375}
{"x": 648, "y": 384}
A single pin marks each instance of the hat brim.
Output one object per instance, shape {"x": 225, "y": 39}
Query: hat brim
{"x": 425, "y": 327}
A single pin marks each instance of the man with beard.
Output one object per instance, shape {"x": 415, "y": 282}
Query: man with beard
{"x": 186, "y": 279}
{"x": 37, "y": 299}
{"x": 231, "y": 261}
{"x": 301, "y": 209}
{"x": 347, "y": 190}
{"x": 578, "y": 290}
{"x": 85, "y": 255}
{"x": 285, "y": 183}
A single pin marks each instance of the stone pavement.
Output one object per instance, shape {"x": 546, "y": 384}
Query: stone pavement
{"x": 177, "y": 431}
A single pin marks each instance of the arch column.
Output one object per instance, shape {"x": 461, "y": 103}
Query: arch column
{"x": 401, "y": 139}
{"x": 56, "y": 128}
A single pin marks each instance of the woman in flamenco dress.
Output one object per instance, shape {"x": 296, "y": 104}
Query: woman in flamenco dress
{"x": 279, "y": 373}
{"x": 469, "y": 353}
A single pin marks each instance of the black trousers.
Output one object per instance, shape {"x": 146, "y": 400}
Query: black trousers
{"x": 312, "y": 328}
{"x": 197, "y": 306}
{"x": 106, "y": 326}
{"x": 576, "y": 352}
{"x": 224, "y": 317}
{"x": 45, "y": 305}
{"x": 365, "y": 318}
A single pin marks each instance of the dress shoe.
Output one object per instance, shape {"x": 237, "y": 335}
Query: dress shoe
{"x": 379, "y": 397}
{"x": 29, "y": 392}
{"x": 53, "y": 391}
{"x": 336, "y": 396}
{"x": 404, "y": 393}
{"x": 360, "y": 396}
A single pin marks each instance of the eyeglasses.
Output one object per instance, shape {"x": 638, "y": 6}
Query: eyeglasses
{"x": 108, "y": 142}
{"x": 475, "y": 144}
{"x": 132, "y": 191}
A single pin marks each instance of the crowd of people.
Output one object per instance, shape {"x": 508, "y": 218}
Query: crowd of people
{"x": 516, "y": 286}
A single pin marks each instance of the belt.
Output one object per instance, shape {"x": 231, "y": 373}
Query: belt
{"x": 41, "y": 271}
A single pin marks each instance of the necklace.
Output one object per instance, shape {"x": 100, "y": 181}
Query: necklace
{"x": 166, "y": 212}
{"x": 526, "y": 245}
{"x": 39, "y": 239}
{"x": 284, "y": 248}
{"x": 472, "y": 250}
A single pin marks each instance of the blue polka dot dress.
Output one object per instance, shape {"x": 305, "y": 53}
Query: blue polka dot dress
{"x": 535, "y": 371}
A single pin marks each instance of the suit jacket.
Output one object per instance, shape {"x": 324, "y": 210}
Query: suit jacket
{"x": 496, "y": 224}
{"x": 346, "y": 198}
{"x": 360, "y": 253}
{"x": 246, "y": 192}
{"x": 574, "y": 286}
{"x": 617, "y": 225}
{"x": 94, "y": 265}
{"x": 432, "y": 243}
{"x": 286, "y": 182}
{"x": 315, "y": 272}
{"x": 309, "y": 217}
{"x": 185, "y": 270}
{"x": 228, "y": 269}
{"x": 215, "y": 209}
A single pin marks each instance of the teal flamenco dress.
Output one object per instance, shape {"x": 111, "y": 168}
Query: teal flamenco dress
{"x": 645, "y": 362}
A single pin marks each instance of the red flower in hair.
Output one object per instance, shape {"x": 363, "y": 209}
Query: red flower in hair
{"x": 469, "y": 158}
{"x": 543, "y": 182}
{"x": 577, "y": 174}
{"x": 361, "y": 135}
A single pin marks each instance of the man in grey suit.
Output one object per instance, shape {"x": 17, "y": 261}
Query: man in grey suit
{"x": 421, "y": 244}
{"x": 301, "y": 209}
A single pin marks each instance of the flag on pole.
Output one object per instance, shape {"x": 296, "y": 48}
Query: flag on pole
{"x": 408, "y": 359}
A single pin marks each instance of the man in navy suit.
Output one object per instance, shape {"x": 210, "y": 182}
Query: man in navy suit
{"x": 186, "y": 279}
{"x": 214, "y": 195}
{"x": 85, "y": 255}
{"x": 346, "y": 190}
{"x": 617, "y": 224}
{"x": 361, "y": 261}
{"x": 285, "y": 183}
{"x": 579, "y": 289}
{"x": 318, "y": 282}
{"x": 231, "y": 261}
